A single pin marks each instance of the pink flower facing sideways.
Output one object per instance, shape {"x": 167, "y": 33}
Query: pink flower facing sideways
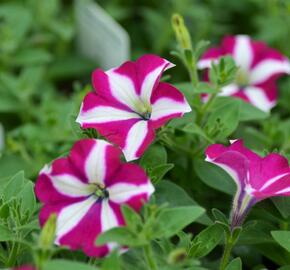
{"x": 25, "y": 267}
{"x": 256, "y": 177}
{"x": 86, "y": 191}
{"x": 259, "y": 68}
{"x": 130, "y": 102}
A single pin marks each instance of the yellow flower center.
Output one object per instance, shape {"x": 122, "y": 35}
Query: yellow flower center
{"x": 242, "y": 78}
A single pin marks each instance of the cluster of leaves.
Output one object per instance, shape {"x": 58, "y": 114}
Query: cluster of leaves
{"x": 39, "y": 98}
{"x": 37, "y": 65}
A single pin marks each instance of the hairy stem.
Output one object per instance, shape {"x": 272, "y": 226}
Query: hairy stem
{"x": 226, "y": 255}
{"x": 13, "y": 252}
{"x": 149, "y": 258}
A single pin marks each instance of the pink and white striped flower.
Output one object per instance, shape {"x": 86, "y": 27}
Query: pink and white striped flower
{"x": 259, "y": 68}
{"x": 257, "y": 178}
{"x": 86, "y": 190}
{"x": 25, "y": 267}
{"x": 130, "y": 102}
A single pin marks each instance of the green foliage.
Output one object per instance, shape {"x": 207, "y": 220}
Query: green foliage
{"x": 206, "y": 241}
{"x": 157, "y": 223}
{"x": 65, "y": 264}
{"x": 235, "y": 264}
{"x": 43, "y": 79}
{"x": 283, "y": 238}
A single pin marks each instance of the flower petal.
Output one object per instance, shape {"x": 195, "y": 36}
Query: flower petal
{"x": 234, "y": 163}
{"x": 229, "y": 90}
{"x": 268, "y": 68}
{"x": 258, "y": 97}
{"x": 123, "y": 89}
{"x": 270, "y": 170}
{"x": 211, "y": 55}
{"x": 138, "y": 138}
{"x": 70, "y": 186}
{"x": 95, "y": 159}
{"x": 60, "y": 182}
{"x": 81, "y": 231}
{"x": 242, "y": 52}
{"x": 103, "y": 114}
{"x": 95, "y": 164}
{"x": 150, "y": 69}
{"x": 277, "y": 186}
{"x": 167, "y": 103}
{"x": 121, "y": 192}
{"x": 121, "y": 187}
{"x": 70, "y": 216}
{"x": 109, "y": 220}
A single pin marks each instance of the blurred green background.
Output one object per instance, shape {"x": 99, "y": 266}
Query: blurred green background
{"x": 44, "y": 74}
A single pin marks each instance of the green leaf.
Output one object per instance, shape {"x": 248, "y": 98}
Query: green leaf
{"x": 194, "y": 129}
{"x": 186, "y": 88}
{"x": 224, "y": 72}
{"x": 5, "y": 234}
{"x": 154, "y": 156}
{"x": 14, "y": 186}
{"x": 28, "y": 198}
{"x": 214, "y": 176}
{"x": 282, "y": 238}
{"x": 122, "y": 236}
{"x": 111, "y": 262}
{"x": 287, "y": 267}
{"x": 235, "y": 264}
{"x": 154, "y": 161}
{"x": 132, "y": 218}
{"x": 172, "y": 220}
{"x": 172, "y": 194}
{"x": 225, "y": 119}
{"x": 283, "y": 205}
{"x": 219, "y": 216}
{"x": 257, "y": 233}
{"x": 158, "y": 172}
{"x": 275, "y": 253}
{"x": 204, "y": 87}
{"x": 31, "y": 57}
{"x": 249, "y": 112}
{"x": 60, "y": 264}
{"x": 11, "y": 164}
{"x": 206, "y": 241}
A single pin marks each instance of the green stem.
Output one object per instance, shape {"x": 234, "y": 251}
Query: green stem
{"x": 92, "y": 261}
{"x": 231, "y": 239}
{"x": 175, "y": 146}
{"x": 193, "y": 75}
{"x": 149, "y": 258}
{"x": 206, "y": 106}
{"x": 191, "y": 67}
{"x": 12, "y": 255}
{"x": 226, "y": 256}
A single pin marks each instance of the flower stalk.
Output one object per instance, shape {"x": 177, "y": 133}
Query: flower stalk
{"x": 226, "y": 255}
{"x": 231, "y": 239}
{"x": 148, "y": 253}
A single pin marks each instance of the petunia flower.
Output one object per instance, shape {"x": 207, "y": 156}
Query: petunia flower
{"x": 24, "y": 267}
{"x": 86, "y": 190}
{"x": 256, "y": 177}
{"x": 259, "y": 68}
{"x": 130, "y": 102}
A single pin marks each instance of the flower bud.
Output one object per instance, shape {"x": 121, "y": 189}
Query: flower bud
{"x": 177, "y": 256}
{"x": 47, "y": 235}
{"x": 181, "y": 32}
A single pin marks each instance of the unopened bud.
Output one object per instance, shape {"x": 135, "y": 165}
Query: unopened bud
{"x": 177, "y": 256}
{"x": 181, "y": 32}
{"x": 47, "y": 235}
